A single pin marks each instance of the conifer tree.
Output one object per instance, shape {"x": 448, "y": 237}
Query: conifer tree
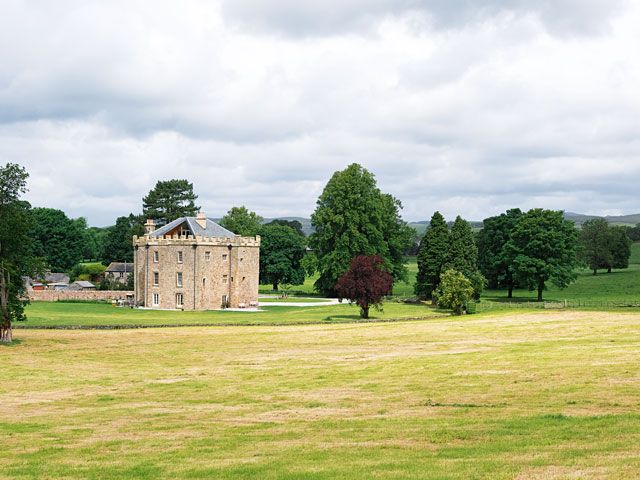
{"x": 462, "y": 255}
{"x": 432, "y": 256}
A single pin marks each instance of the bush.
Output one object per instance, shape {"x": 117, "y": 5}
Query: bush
{"x": 454, "y": 292}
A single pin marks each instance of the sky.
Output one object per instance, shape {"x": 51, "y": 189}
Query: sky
{"x": 466, "y": 107}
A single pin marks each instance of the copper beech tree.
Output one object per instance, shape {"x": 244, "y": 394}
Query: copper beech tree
{"x": 365, "y": 283}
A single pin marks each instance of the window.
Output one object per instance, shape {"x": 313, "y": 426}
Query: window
{"x": 207, "y": 256}
{"x": 225, "y": 302}
{"x": 225, "y": 278}
{"x": 241, "y": 259}
{"x": 180, "y": 256}
{"x": 156, "y": 278}
{"x": 156, "y": 256}
{"x": 156, "y": 299}
{"x": 204, "y": 282}
{"x": 179, "y": 300}
{"x": 224, "y": 257}
{"x": 179, "y": 279}
{"x": 243, "y": 278}
{"x": 121, "y": 274}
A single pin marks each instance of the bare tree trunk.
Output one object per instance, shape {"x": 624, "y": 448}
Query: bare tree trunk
{"x": 540, "y": 288}
{"x": 365, "y": 312}
{"x": 6, "y": 334}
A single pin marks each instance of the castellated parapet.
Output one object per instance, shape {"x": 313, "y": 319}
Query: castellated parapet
{"x": 188, "y": 271}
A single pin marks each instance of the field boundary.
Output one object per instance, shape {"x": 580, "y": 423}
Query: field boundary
{"x": 328, "y": 321}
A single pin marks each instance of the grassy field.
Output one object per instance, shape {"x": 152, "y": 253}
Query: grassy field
{"x": 618, "y": 286}
{"x": 526, "y": 396}
{"x": 50, "y": 314}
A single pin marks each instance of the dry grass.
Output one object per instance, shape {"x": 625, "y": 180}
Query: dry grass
{"x": 537, "y": 395}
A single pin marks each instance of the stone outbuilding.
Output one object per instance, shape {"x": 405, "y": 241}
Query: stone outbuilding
{"x": 119, "y": 271}
{"x": 193, "y": 263}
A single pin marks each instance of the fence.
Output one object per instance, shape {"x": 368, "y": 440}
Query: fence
{"x": 565, "y": 304}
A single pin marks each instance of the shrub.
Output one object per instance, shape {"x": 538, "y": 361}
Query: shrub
{"x": 454, "y": 292}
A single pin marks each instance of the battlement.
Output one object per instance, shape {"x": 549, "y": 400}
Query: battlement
{"x": 190, "y": 240}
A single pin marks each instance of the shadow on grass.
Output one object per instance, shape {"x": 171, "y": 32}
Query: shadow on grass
{"x": 14, "y": 343}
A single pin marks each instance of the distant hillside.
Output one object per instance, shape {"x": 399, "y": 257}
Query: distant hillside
{"x": 307, "y": 228}
{"x": 580, "y": 218}
{"x": 421, "y": 226}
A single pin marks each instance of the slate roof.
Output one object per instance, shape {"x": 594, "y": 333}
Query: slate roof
{"x": 212, "y": 230}
{"x": 53, "y": 277}
{"x": 84, "y": 284}
{"x": 117, "y": 267}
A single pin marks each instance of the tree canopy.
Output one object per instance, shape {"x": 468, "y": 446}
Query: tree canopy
{"x": 16, "y": 250}
{"x": 353, "y": 217}
{"x": 543, "y": 246}
{"x": 432, "y": 256}
{"x": 494, "y": 260}
{"x": 454, "y": 291}
{"x": 242, "y": 221}
{"x": 281, "y": 252}
{"x": 117, "y": 244}
{"x": 58, "y": 239}
{"x": 365, "y": 283}
{"x": 168, "y": 200}
{"x": 294, "y": 224}
{"x": 595, "y": 239}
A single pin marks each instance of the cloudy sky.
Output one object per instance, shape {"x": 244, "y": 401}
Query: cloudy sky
{"x": 467, "y": 107}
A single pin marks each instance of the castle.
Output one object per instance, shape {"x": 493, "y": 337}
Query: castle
{"x": 193, "y": 263}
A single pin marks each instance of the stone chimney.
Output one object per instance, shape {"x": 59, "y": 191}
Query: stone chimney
{"x": 150, "y": 226}
{"x": 202, "y": 219}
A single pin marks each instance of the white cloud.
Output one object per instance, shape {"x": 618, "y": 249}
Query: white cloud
{"x": 465, "y": 110}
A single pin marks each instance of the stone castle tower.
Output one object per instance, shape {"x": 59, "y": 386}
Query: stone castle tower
{"x": 193, "y": 263}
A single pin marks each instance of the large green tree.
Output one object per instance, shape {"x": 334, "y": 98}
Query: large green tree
{"x": 620, "y": 245}
{"x": 494, "y": 260}
{"x": 595, "y": 240}
{"x": 462, "y": 255}
{"x": 16, "y": 252}
{"x": 58, "y": 239}
{"x": 353, "y": 217}
{"x": 432, "y": 256}
{"x": 242, "y": 221}
{"x": 295, "y": 224}
{"x": 543, "y": 245}
{"x": 118, "y": 242}
{"x": 170, "y": 199}
{"x": 281, "y": 252}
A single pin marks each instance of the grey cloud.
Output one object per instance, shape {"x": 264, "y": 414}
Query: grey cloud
{"x": 327, "y": 17}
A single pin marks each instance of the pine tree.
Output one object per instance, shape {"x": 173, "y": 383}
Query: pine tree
{"x": 462, "y": 255}
{"x": 432, "y": 256}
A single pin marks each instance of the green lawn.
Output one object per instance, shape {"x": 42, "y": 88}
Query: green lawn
{"x": 528, "y": 396}
{"x": 50, "y": 314}
{"x": 291, "y": 299}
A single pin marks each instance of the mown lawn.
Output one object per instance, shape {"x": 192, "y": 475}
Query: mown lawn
{"x": 618, "y": 286}
{"x": 50, "y": 314}
{"x": 527, "y": 396}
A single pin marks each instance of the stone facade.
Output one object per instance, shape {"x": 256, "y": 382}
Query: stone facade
{"x": 192, "y": 272}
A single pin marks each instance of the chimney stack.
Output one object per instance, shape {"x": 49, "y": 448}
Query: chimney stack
{"x": 150, "y": 226}
{"x": 202, "y": 219}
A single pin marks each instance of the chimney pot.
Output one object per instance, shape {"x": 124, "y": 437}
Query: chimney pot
{"x": 150, "y": 226}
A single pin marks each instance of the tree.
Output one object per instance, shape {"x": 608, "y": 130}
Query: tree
{"x": 493, "y": 259}
{"x": 118, "y": 242}
{"x": 620, "y": 245}
{"x": 295, "y": 224}
{"x": 58, "y": 239}
{"x": 432, "y": 256}
{"x": 242, "y": 222}
{"x": 168, "y": 200}
{"x": 454, "y": 291}
{"x": 595, "y": 241}
{"x": 16, "y": 252}
{"x": 281, "y": 252}
{"x": 634, "y": 233}
{"x": 462, "y": 255}
{"x": 365, "y": 283}
{"x": 353, "y": 217}
{"x": 543, "y": 245}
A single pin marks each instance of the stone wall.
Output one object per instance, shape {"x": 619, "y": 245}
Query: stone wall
{"x": 55, "y": 295}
